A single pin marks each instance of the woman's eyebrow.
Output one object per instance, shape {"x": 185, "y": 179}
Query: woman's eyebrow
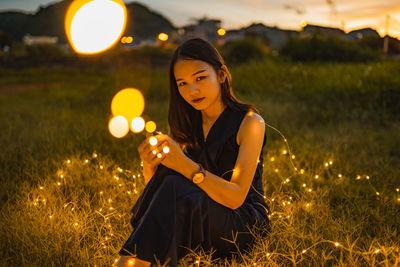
{"x": 197, "y": 72}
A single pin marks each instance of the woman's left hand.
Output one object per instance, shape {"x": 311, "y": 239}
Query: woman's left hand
{"x": 175, "y": 157}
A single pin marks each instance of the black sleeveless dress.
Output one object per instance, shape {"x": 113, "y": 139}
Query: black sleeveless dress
{"x": 173, "y": 215}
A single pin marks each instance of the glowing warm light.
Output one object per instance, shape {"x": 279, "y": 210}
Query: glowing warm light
{"x": 131, "y": 262}
{"x": 166, "y": 150}
{"x": 123, "y": 40}
{"x": 284, "y": 152}
{"x": 337, "y": 244}
{"x": 137, "y": 124}
{"x": 272, "y": 158}
{"x": 221, "y": 32}
{"x": 153, "y": 141}
{"x": 128, "y": 102}
{"x": 154, "y": 152}
{"x": 93, "y": 26}
{"x": 129, "y": 39}
{"x": 150, "y": 126}
{"x": 118, "y": 126}
{"x": 163, "y": 37}
{"x": 316, "y": 176}
{"x": 159, "y": 155}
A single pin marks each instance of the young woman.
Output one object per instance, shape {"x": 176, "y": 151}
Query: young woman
{"x": 207, "y": 191}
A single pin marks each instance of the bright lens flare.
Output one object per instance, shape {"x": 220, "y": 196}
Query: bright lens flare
{"x": 166, "y": 150}
{"x": 137, "y": 124}
{"x": 129, "y": 103}
{"x": 118, "y": 126}
{"x": 150, "y": 126}
{"x": 93, "y": 26}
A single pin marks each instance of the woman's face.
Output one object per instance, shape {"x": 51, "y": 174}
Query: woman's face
{"x": 197, "y": 79}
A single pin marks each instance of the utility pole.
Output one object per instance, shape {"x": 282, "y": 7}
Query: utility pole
{"x": 386, "y": 38}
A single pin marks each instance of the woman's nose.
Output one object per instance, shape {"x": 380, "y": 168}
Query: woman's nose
{"x": 193, "y": 89}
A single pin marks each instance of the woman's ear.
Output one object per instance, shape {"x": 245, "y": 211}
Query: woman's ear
{"x": 223, "y": 73}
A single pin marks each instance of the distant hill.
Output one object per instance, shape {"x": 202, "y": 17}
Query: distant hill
{"x": 49, "y": 20}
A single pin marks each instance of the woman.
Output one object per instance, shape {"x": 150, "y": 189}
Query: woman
{"x": 207, "y": 190}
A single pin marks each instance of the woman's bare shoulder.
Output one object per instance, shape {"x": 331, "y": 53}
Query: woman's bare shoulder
{"x": 251, "y": 122}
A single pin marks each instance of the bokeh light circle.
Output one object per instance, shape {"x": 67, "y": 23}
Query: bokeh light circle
{"x": 150, "y": 126}
{"x": 137, "y": 124}
{"x": 166, "y": 149}
{"x": 93, "y": 26}
{"x": 128, "y": 102}
{"x": 153, "y": 141}
{"x": 118, "y": 126}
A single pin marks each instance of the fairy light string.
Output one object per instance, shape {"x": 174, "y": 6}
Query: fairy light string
{"x": 123, "y": 176}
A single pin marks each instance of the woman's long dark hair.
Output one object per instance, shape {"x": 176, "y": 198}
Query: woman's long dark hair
{"x": 183, "y": 119}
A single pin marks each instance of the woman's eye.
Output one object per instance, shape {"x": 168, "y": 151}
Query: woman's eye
{"x": 200, "y": 78}
{"x": 181, "y": 84}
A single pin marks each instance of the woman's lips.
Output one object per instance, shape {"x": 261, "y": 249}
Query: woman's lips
{"x": 198, "y": 100}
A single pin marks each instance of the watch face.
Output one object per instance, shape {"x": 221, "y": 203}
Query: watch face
{"x": 198, "y": 178}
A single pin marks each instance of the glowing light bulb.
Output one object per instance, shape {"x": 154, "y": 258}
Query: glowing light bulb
{"x": 159, "y": 155}
{"x": 337, "y": 244}
{"x": 316, "y": 176}
{"x": 166, "y": 150}
{"x": 221, "y": 32}
{"x": 153, "y": 141}
{"x": 154, "y": 152}
{"x": 163, "y": 37}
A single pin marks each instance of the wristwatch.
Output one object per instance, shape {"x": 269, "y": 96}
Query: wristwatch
{"x": 198, "y": 177}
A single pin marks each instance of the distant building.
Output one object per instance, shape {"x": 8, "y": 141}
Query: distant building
{"x": 37, "y": 40}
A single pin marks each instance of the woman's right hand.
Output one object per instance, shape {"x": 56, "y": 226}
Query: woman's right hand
{"x": 150, "y": 159}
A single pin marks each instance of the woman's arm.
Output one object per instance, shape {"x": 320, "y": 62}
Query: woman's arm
{"x": 148, "y": 172}
{"x": 232, "y": 194}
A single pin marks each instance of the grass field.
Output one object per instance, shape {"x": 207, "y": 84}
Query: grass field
{"x": 68, "y": 185}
